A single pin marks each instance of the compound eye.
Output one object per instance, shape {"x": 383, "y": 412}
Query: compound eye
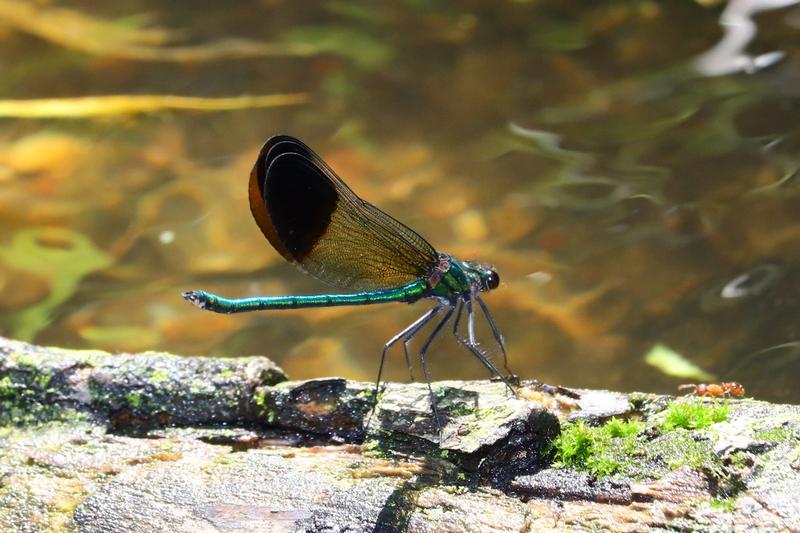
{"x": 493, "y": 280}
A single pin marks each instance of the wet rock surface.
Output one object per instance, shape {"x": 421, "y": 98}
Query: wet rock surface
{"x": 126, "y": 390}
{"x": 569, "y": 485}
{"x": 97, "y": 442}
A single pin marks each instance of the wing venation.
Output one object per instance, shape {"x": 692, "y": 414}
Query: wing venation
{"x": 316, "y": 221}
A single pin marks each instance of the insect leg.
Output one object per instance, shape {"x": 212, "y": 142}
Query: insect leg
{"x": 459, "y": 312}
{"x": 496, "y": 332}
{"x": 472, "y": 346}
{"x": 409, "y": 331}
{"x": 424, "y": 364}
{"x": 471, "y": 322}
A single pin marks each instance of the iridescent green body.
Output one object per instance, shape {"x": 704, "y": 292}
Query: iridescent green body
{"x": 410, "y": 293}
{"x": 458, "y": 279}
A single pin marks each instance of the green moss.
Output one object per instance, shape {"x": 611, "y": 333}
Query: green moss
{"x": 370, "y": 446}
{"x": 134, "y": 399}
{"x": 740, "y": 459}
{"x": 227, "y": 459}
{"x": 682, "y": 448}
{"x": 460, "y": 409}
{"x": 728, "y": 504}
{"x": 27, "y": 398}
{"x": 574, "y": 446}
{"x": 637, "y": 456}
{"x": 7, "y": 388}
{"x": 43, "y": 380}
{"x": 199, "y": 387}
{"x": 226, "y": 374}
{"x": 775, "y": 434}
{"x": 369, "y": 393}
{"x": 618, "y": 428}
{"x": 263, "y": 402}
{"x": 261, "y": 398}
{"x": 620, "y": 447}
{"x": 693, "y": 415}
{"x": 601, "y": 451}
{"x": 158, "y": 375}
{"x": 97, "y": 392}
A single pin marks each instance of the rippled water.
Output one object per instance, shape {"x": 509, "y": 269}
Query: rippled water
{"x": 629, "y": 167}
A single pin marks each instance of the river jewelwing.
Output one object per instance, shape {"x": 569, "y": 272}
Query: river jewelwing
{"x": 314, "y": 220}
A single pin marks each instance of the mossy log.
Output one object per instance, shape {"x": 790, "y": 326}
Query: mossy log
{"x": 91, "y": 441}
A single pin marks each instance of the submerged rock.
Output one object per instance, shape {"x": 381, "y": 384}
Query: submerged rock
{"x": 96, "y": 442}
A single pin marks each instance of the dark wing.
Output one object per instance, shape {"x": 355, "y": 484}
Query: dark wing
{"x": 314, "y": 220}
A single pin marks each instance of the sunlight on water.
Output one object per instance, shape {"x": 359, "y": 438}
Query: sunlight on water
{"x": 630, "y": 168}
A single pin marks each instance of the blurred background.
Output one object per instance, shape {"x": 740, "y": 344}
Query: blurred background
{"x": 629, "y": 167}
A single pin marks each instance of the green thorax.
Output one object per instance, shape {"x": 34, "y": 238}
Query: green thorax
{"x": 451, "y": 278}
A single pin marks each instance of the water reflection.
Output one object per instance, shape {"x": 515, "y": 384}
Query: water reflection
{"x": 728, "y": 56}
{"x": 627, "y": 202}
{"x": 748, "y": 284}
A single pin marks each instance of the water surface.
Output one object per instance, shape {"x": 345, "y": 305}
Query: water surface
{"x": 631, "y": 171}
